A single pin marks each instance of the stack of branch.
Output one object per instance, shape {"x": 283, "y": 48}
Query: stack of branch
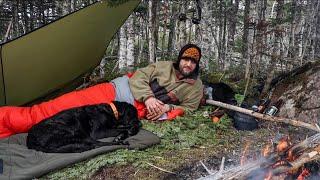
{"x": 306, "y": 151}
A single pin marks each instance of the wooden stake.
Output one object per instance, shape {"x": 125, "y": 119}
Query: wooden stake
{"x": 292, "y": 122}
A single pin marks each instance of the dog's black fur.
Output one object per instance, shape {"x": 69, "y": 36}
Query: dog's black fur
{"x": 78, "y": 129}
{"x": 219, "y": 92}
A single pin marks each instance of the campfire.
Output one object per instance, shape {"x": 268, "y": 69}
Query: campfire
{"x": 279, "y": 160}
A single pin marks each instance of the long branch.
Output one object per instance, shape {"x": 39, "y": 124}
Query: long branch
{"x": 292, "y": 122}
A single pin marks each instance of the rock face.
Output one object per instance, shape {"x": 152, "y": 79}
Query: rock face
{"x": 300, "y": 92}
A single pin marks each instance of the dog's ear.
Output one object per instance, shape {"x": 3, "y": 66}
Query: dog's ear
{"x": 126, "y": 110}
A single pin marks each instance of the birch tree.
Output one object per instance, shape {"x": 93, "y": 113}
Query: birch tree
{"x": 152, "y": 27}
{"x": 122, "y": 48}
{"x": 130, "y": 42}
{"x": 206, "y": 35}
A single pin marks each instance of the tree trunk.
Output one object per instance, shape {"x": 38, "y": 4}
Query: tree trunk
{"x": 141, "y": 40}
{"x": 246, "y": 23}
{"x": 313, "y": 8}
{"x": 152, "y": 27}
{"x": 262, "y": 27}
{"x": 276, "y": 48}
{"x": 317, "y": 36}
{"x": 207, "y": 34}
{"x": 172, "y": 29}
{"x": 232, "y": 23}
{"x": 224, "y": 45}
{"x": 182, "y": 26}
{"x": 122, "y": 48}
{"x": 130, "y": 42}
{"x": 163, "y": 39}
{"x": 292, "y": 52}
{"x": 232, "y": 29}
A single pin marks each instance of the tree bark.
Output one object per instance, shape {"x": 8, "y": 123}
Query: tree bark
{"x": 232, "y": 30}
{"x": 130, "y": 42}
{"x": 261, "y": 44}
{"x": 182, "y": 26}
{"x": 206, "y": 34}
{"x": 122, "y": 48}
{"x": 163, "y": 39}
{"x": 141, "y": 39}
{"x": 172, "y": 30}
{"x": 152, "y": 28}
{"x": 276, "y": 48}
{"x": 246, "y": 21}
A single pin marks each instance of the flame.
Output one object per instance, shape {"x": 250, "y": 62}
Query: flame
{"x": 282, "y": 145}
{"x": 305, "y": 173}
{"x": 280, "y": 162}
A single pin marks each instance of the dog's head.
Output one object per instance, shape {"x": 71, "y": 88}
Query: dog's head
{"x": 128, "y": 117}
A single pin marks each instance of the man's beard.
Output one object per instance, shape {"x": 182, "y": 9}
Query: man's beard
{"x": 184, "y": 73}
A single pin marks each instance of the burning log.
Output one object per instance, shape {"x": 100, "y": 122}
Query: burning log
{"x": 279, "y": 163}
{"x": 292, "y": 122}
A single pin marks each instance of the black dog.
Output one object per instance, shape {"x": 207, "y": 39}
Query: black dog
{"x": 219, "y": 92}
{"x": 78, "y": 129}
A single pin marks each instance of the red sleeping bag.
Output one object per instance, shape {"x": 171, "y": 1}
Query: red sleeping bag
{"x": 15, "y": 120}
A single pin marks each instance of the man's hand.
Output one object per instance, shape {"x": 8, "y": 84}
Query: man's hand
{"x": 164, "y": 108}
{"x": 153, "y": 105}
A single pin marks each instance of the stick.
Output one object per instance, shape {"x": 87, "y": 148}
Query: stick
{"x": 222, "y": 164}
{"x": 160, "y": 168}
{"x": 304, "y": 158}
{"x": 292, "y": 122}
{"x": 206, "y": 168}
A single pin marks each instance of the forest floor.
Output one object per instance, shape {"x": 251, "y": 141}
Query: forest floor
{"x": 185, "y": 163}
{"x": 184, "y": 143}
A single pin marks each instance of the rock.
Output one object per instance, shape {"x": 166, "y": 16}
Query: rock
{"x": 301, "y": 95}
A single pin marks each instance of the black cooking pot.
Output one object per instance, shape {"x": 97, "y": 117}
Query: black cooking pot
{"x": 244, "y": 122}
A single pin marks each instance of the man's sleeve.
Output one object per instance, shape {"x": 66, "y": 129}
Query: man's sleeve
{"x": 189, "y": 104}
{"x": 139, "y": 83}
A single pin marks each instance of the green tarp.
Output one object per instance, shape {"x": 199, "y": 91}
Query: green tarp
{"x": 48, "y": 58}
{"x": 19, "y": 162}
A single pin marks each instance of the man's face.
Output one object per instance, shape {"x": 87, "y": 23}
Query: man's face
{"x": 187, "y": 66}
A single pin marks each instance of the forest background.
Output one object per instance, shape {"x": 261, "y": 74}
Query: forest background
{"x": 247, "y": 39}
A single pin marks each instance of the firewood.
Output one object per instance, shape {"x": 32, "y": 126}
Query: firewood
{"x": 303, "y": 159}
{"x": 292, "y": 122}
{"x": 311, "y": 152}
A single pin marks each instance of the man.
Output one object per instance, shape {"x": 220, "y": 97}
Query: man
{"x": 160, "y": 91}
